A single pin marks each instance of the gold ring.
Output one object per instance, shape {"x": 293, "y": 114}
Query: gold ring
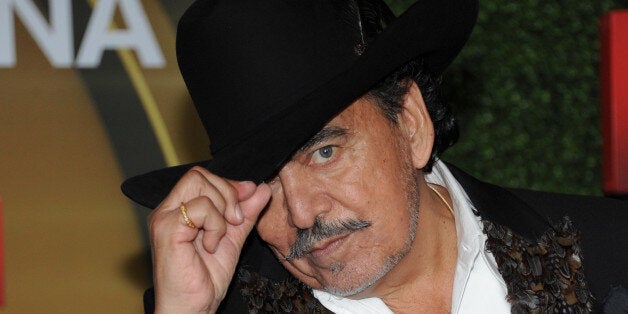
{"x": 184, "y": 212}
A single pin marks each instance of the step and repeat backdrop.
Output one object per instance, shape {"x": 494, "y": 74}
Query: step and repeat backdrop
{"x": 90, "y": 94}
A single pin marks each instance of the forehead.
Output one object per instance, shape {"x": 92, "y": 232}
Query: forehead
{"x": 362, "y": 111}
{"x": 358, "y": 114}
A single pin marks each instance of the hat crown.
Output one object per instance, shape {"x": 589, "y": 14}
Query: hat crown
{"x": 247, "y": 60}
{"x": 266, "y": 75}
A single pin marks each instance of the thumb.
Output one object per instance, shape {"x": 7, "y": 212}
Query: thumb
{"x": 249, "y": 195}
{"x": 245, "y": 189}
{"x": 251, "y": 209}
{"x": 252, "y": 206}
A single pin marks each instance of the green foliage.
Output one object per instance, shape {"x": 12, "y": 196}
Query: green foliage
{"x": 525, "y": 92}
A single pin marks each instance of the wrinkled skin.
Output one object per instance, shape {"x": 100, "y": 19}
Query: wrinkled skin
{"x": 365, "y": 174}
{"x": 360, "y": 167}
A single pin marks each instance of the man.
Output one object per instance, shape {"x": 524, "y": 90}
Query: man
{"x": 326, "y": 125}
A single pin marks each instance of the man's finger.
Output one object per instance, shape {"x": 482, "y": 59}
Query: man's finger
{"x": 199, "y": 182}
{"x": 253, "y": 206}
{"x": 245, "y": 189}
{"x": 205, "y": 216}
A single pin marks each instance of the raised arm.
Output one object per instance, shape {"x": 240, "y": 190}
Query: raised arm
{"x": 194, "y": 258}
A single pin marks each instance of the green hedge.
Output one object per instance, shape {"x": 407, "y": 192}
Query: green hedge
{"x": 525, "y": 92}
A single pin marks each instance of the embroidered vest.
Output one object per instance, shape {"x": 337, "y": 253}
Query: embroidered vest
{"x": 542, "y": 277}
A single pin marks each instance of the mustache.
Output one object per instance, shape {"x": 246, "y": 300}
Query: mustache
{"x": 322, "y": 230}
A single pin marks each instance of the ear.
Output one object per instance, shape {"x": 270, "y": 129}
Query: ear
{"x": 416, "y": 124}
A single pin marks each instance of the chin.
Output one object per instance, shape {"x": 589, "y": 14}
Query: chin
{"x": 354, "y": 280}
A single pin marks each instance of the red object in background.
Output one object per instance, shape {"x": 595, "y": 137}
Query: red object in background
{"x": 614, "y": 98}
{"x": 1, "y": 255}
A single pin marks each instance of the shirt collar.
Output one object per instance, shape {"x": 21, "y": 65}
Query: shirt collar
{"x": 469, "y": 233}
{"x": 470, "y": 240}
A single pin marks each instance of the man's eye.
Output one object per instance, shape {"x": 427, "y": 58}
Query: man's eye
{"x": 323, "y": 154}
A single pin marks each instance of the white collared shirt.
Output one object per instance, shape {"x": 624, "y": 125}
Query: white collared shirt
{"x": 478, "y": 286}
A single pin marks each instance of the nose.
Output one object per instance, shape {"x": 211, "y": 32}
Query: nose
{"x": 304, "y": 196}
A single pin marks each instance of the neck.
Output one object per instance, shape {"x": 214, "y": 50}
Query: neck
{"x": 423, "y": 279}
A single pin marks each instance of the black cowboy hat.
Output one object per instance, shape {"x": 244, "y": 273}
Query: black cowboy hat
{"x": 266, "y": 75}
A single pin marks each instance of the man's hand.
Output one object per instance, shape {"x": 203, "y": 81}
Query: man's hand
{"x": 192, "y": 267}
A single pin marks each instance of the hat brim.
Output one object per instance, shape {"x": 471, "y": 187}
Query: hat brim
{"x": 434, "y": 31}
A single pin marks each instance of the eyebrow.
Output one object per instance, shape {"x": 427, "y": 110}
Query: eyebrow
{"x": 323, "y": 135}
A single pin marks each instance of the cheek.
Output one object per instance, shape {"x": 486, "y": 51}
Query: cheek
{"x": 273, "y": 228}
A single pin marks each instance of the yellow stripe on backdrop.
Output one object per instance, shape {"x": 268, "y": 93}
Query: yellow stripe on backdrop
{"x": 163, "y": 93}
{"x": 71, "y": 239}
{"x": 149, "y": 104}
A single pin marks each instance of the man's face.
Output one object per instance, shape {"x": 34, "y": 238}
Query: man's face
{"x": 348, "y": 199}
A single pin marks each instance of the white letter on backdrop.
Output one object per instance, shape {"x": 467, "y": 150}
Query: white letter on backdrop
{"x": 55, "y": 39}
{"x": 138, "y": 35}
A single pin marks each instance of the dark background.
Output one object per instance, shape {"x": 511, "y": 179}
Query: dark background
{"x": 525, "y": 90}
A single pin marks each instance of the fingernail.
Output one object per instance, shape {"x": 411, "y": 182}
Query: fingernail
{"x": 238, "y": 213}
